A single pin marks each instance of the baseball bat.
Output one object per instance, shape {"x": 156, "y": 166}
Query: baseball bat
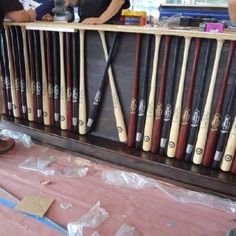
{"x": 49, "y": 63}
{"x": 233, "y": 168}
{"x": 147, "y": 140}
{"x": 174, "y": 130}
{"x": 142, "y": 104}
{"x": 29, "y": 96}
{"x": 202, "y": 133}
{"x": 38, "y": 76}
{"x": 15, "y": 66}
{"x": 119, "y": 117}
{"x": 229, "y": 149}
{"x": 56, "y": 79}
{"x": 82, "y": 94}
{"x": 46, "y": 108}
{"x": 75, "y": 82}
{"x": 3, "y": 103}
{"x": 225, "y": 127}
{"x": 184, "y": 128}
{"x": 197, "y": 110}
{"x": 63, "y": 108}
{"x": 15, "y": 103}
{"x": 32, "y": 72}
{"x": 133, "y": 105}
{"x": 170, "y": 98}
{"x": 215, "y": 123}
{"x": 68, "y": 82}
{"x": 100, "y": 91}
{"x": 6, "y": 73}
{"x": 156, "y": 133}
{"x": 20, "y": 61}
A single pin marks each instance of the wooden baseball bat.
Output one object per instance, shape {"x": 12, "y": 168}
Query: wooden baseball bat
{"x": 38, "y": 76}
{"x": 63, "y": 108}
{"x": 174, "y": 130}
{"x": 225, "y": 127}
{"x": 49, "y": 64}
{"x": 202, "y": 134}
{"x": 68, "y": 81}
{"x": 100, "y": 91}
{"x": 229, "y": 149}
{"x": 75, "y": 82}
{"x": 46, "y": 107}
{"x": 15, "y": 101}
{"x": 142, "y": 104}
{"x": 197, "y": 110}
{"x": 29, "y": 95}
{"x": 82, "y": 93}
{"x": 184, "y": 128}
{"x": 5, "y": 70}
{"x": 32, "y": 72}
{"x": 215, "y": 123}
{"x": 56, "y": 73}
{"x": 119, "y": 117}
{"x": 170, "y": 98}
{"x": 21, "y": 71}
{"x": 15, "y": 66}
{"x": 147, "y": 140}
{"x": 133, "y": 106}
{"x": 156, "y": 133}
{"x": 3, "y": 103}
{"x": 233, "y": 168}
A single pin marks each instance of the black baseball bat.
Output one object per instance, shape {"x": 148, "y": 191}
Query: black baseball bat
{"x": 197, "y": 111}
{"x": 100, "y": 91}
{"x": 142, "y": 103}
{"x": 170, "y": 98}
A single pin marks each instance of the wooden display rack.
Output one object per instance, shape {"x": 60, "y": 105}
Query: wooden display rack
{"x": 103, "y": 143}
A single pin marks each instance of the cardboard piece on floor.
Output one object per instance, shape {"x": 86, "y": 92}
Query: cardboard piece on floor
{"x": 35, "y": 204}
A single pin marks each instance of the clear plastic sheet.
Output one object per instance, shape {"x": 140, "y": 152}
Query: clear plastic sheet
{"x": 42, "y": 165}
{"x": 172, "y": 21}
{"x": 93, "y": 218}
{"x": 126, "y": 230}
{"x": 95, "y": 234}
{"x": 135, "y": 181}
{"x": 18, "y": 137}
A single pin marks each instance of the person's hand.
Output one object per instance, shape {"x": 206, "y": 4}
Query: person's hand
{"x": 32, "y": 14}
{"x": 47, "y": 17}
{"x": 93, "y": 21}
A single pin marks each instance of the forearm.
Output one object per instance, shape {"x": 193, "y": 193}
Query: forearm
{"x": 113, "y": 8}
{"x": 232, "y": 10}
{"x": 20, "y": 16}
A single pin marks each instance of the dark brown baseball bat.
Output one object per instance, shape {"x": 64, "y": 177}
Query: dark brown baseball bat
{"x": 183, "y": 133}
{"x": 156, "y": 133}
{"x": 215, "y": 123}
{"x": 133, "y": 112}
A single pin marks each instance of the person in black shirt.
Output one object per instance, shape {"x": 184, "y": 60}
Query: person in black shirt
{"x": 13, "y": 10}
{"x": 99, "y": 11}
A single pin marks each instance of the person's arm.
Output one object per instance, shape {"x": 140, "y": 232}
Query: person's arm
{"x": 21, "y": 15}
{"x": 232, "y": 10}
{"x": 112, "y": 9}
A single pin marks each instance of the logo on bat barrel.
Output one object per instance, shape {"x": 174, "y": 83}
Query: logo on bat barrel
{"x": 50, "y": 89}
{"x": 186, "y": 116}
{"x": 215, "y": 121}
{"x": 133, "y": 106}
{"x": 38, "y": 88}
{"x": 199, "y": 151}
{"x": 120, "y": 130}
{"x": 159, "y": 111}
{"x": 75, "y": 94}
{"x": 147, "y": 139}
{"x": 195, "y": 118}
{"x": 226, "y": 124}
{"x": 81, "y": 123}
{"x": 141, "y": 108}
{"x": 168, "y": 112}
{"x": 171, "y": 144}
{"x": 56, "y": 91}
{"x": 63, "y": 118}
{"x": 97, "y": 98}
